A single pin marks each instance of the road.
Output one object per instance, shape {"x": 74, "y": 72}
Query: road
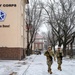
{"x": 39, "y": 67}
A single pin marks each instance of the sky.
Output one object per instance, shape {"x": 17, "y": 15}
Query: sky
{"x": 43, "y": 29}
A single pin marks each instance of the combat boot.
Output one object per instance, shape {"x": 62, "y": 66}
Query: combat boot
{"x": 50, "y": 71}
{"x": 60, "y": 69}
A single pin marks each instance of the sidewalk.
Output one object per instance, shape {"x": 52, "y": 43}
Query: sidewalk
{"x": 15, "y": 67}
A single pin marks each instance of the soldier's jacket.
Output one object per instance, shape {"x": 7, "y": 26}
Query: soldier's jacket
{"x": 59, "y": 55}
{"x": 49, "y": 55}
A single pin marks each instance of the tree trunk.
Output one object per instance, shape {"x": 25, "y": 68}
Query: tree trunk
{"x": 53, "y": 45}
{"x": 71, "y": 54}
{"x": 59, "y": 43}
{"x": 64, "y": 49}
{"x": 31, "y": 48}
{"x": 28, "y": 44}
{"x": 28, "y": 50}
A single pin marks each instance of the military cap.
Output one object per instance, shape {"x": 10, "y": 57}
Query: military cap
{"x": 49, "y": 46}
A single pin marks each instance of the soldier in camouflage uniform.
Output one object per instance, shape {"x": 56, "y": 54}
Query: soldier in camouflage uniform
{"x": 49, "y": 54}
{"x": 59, "y": 55}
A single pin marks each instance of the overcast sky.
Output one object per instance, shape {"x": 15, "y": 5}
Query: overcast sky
{"x": 43, "y": 27}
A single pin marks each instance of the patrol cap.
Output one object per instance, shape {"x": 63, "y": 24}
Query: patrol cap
{"x": 49, "y": 46}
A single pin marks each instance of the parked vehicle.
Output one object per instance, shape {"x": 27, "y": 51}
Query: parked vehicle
{"x": 37, "y": 52}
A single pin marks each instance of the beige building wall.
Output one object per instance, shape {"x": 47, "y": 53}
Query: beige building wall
{"x": 13, "y": 35}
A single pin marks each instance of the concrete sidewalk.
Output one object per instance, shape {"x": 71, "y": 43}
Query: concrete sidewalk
{"x": 15, "y": 67}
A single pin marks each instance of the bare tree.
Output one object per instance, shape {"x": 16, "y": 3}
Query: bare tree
{"x": 33, "y": 22}
{"x": 62, "y": 21}
{"x": 51, "y": 38}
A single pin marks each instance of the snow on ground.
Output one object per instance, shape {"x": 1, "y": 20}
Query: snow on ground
{"x": 35, "y": 65}
{"x": 18, "y": 67}
{"x": 39, "y": 67}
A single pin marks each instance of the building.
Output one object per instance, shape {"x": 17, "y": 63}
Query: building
{"x": 39, "y": 42}
{"x": 12, "y": 31}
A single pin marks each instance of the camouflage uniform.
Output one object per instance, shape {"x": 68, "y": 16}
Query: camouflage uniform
{"x": 59, "y": 55}
{"x": 49, "y": 59}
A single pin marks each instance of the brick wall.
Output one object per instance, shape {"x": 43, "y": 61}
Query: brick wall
{"x": 11, "y": 53}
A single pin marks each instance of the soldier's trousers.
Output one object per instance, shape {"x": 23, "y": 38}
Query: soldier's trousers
{"x": 59, "y": 64}
{"x": 49, "y": 63}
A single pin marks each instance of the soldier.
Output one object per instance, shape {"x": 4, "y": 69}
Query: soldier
{"x": 49, "y": 54}
{"x": 59, "y": 55}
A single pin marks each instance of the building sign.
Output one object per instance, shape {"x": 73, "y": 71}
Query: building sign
{"x": 4, "y": 26}
{"x": 2, "y": 18}
{"x": 8, "y": 5}
{"x": 2, "y": 15}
